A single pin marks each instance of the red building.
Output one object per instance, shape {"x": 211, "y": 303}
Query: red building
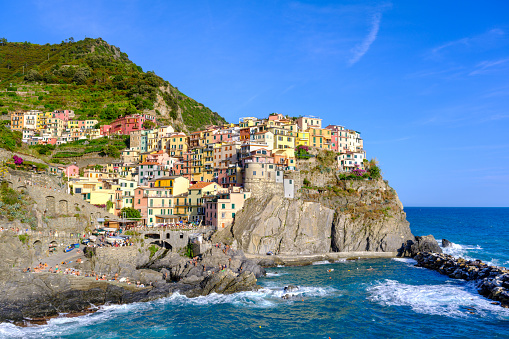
{"x": 128, "y": 124}
{"x": 105, "y": 129}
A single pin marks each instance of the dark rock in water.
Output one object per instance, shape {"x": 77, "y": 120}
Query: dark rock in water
{"x": 490, "y": 280}
{"x": 425, "y": 243}
{"x": 291, "y": 288}
{"x": 446, "y": 243}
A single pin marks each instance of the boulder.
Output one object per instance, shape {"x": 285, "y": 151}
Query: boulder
{"x": 446, "y": 243}
{"x": 425, "y": 243}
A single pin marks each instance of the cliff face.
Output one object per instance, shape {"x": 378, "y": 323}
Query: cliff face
{"x": 340, "y": 216}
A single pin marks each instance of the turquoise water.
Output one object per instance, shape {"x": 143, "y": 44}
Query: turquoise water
{"x": 393, "y": 300}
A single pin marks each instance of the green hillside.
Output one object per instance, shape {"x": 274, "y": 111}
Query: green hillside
{"x": 94, "y": 79}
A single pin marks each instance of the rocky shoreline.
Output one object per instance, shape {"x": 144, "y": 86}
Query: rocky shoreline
{"x": 32, "y": 298}
{"x": 492, "y": 282}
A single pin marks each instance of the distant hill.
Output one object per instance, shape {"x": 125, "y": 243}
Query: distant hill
{"x": 94, "y": 79}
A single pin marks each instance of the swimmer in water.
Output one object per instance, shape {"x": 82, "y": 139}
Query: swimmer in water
{"x": 370, "y": 268}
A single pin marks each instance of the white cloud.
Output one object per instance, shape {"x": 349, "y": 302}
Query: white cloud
{"x": 363, "y": 47}
{"x": 481, "y": 41}
{"x": 486, "y": 66}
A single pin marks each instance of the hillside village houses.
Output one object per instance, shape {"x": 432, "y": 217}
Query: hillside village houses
{"x": 203, "y": 177}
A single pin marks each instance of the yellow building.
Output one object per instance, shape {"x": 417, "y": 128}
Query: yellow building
{"x": 17, "y": 121}
{"x": 320, "y": 137}
{"x": 42, "y": 119}
{"x": 283, "y": 138}
{"x": 197, "y": 164}
{"x": 55, "y": 126}
{"x": 302, "y": 139}
{"x": 177, "y": 145}
{"x": 208, "y": 164}
{"x": 174, "y": 184}
{"x": 152, "y": 141}
{"x": 95, "y": 192}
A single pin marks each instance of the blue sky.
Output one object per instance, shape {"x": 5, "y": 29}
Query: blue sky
{"x": 426, "y": 82}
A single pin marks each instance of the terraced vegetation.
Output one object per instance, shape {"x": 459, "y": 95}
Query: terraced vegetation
{"x": 94, "y": 79}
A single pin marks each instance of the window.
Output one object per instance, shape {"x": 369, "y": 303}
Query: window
{"x": 254, "y": 172}
{"x": 223, "y": 206}
{"x": 233, "y": 206}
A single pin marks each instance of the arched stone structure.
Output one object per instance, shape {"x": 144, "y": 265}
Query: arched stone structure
{"x": 50, "y": 204}
{"x": 62, "y": 207}
{"x": 37, "y": 248}
{"x": 162, "y": 244}
{"x": 152, "y": 236}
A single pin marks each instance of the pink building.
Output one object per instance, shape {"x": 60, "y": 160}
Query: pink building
{"x": 276, "y": 117}
{"x": 140, "y": 202}
{"x": 63, "y": 115}
{"x": 128, "y": 124}
{"x": 220, "y": 210}
{"x": 71, "y": 171}
{"x": 338, "y": 138}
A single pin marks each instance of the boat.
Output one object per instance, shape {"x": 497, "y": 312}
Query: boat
{"x": 114, "y": 239}
{"x": 69, "y": 248}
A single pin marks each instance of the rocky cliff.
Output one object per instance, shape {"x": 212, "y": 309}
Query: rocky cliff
{"x": 32, "y": 296}
{"x": 326, "y": 215}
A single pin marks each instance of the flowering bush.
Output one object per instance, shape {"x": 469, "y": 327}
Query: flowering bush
{"x": 302, "y": 148}
{"x": 17, "y": 160}
{"x": 100, "y": 205}
{"x": 358, "y": 172}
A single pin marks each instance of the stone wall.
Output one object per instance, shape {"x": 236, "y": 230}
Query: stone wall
{"x": 56, "y": 209}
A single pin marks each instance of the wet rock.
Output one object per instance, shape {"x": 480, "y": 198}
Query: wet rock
{"x": 490, "y": 280}
{"x": 291, "y": 288}
{"x": 420, "y": 244}
{"x": 446, "y": 243}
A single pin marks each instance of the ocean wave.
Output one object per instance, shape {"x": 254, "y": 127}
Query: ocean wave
{"x": 450, "y": 300}
{"x": 322, "y": 262}
{"x": 406, "y": 260}
{"x": 60, "y": 326}
{"x": 457, "y": 250}
{"x": 274, "y": 274}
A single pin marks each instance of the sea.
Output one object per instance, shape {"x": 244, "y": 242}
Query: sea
{"x": 367, "y": 298}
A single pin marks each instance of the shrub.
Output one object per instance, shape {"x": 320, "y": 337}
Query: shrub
{"x": 23, "y": 238}
{"x": 153, "y": 250}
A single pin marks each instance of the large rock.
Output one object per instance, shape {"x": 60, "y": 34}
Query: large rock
{"x": 365, "y": 234}
{"x": 420, "y": 244}
{"x": 283, "y": 226}
{"x": 354, "y": 216}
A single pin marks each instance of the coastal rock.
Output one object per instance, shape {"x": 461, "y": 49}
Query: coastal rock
{"x": 446, "y": 243}
{"x": 490, "y": 280}
{"x": 365, "y": 217}
{"x": 420, "y": 244}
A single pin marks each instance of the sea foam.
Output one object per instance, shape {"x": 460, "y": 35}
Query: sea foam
{"x": 450, "y": 300}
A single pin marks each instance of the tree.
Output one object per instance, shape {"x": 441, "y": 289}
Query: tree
{"x": 374, "y": 172}
{"x": 33, "y": 75}
{"x": 130, "y": 213}
{"x": 130, "y": 110}
{"x": 109, "y": 205}
{"x": 147, "y": 124}
{"x": 110, "y": 151}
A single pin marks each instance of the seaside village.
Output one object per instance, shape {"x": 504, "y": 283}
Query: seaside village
{"x": 201, "y": 178}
